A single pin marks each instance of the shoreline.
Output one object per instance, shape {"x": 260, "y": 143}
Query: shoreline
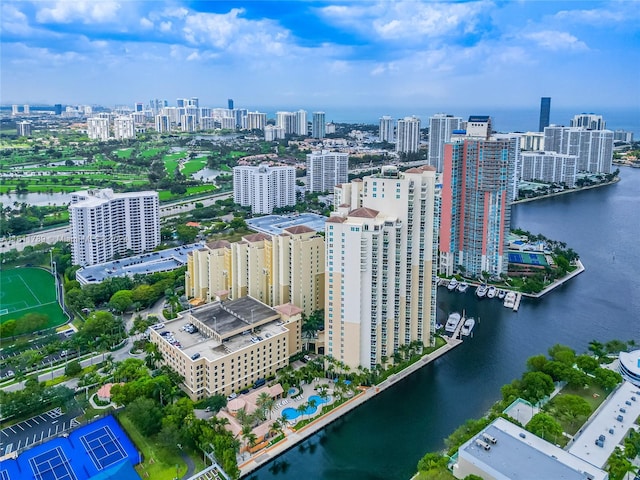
{"x": 565, "y": 192}
{"x": 293, "y": 438}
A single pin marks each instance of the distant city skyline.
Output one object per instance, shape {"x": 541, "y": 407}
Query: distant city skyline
{"x": 322, "y": 55}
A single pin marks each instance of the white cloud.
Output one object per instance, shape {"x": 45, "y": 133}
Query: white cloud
{"x": 23, "y": 54}
{"x": 618, "y": 12}
{"x": 407, "y": 20}
{"x": 86, "y": 11}
{"x": 146, "y": 23}
{"x": 14, "y": 21}
{"x": 555, "y": 40}
{"x": 165, "y": 26}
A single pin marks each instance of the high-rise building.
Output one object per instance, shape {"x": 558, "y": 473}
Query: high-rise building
{"x": 441, "y": 126}
{"x": 287, "y": 121}
{"x": 548, "y": 167}
{"x": 256, "y": 121}
{"x": 318, "y": 125}
{"x": 622, "y": 136}
{"x": 188, "y": 123}
{"x": 273, "y": 132}
{"x": 163, "y": 123}
{"x": 590, "y": 121}
{"x": 26, "y": 109}
{"x": 408, "y": 135}
{"x": 385, "y": 132}
{"x": 57, "y": 109}
{"x": 104, "y": 223}
{"x": 98, "y": 128}
{"x": 478, "y": 126}
{"x": 532, "y": 141}
{"x": 380, "y": 276}
{"x": 273, "y": 269}
{"x": 302, "y": 126}
{"x": 240, "y": 115}
{"x": 594, "y": 148}
{"x": 230, "y": 103}
{"x": 15, "y": 110}
{"x": 326, "y": 169}
{"x": 545, "y": 111}
{"x": 124, "y": 127}
{"x": 24, "y": 129}
{"x": 477, "y": 190}
{"x": 138, "y": 107}
{"x": 264, "y": 188}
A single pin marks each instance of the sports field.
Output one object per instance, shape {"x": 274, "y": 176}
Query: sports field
{"x": 29, "y": 290}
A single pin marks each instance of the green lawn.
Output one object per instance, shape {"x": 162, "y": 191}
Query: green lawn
{"x": 193, "y": 166}
{"x": 29, "y": 290}
{"x": 150, "y": 152}
{"x": 159, "y": 463}
{"x": 171, "y": 161}
{"x": 124, "y": 153}
{"x": 194, "y": 190}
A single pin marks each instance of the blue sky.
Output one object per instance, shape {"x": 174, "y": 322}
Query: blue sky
{"x": 584, "y": 54}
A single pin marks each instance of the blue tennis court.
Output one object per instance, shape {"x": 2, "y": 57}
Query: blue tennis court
{"x": 93, "y": 450}
{"x": 52, "y": 465}
{"x": 526, "y": 258}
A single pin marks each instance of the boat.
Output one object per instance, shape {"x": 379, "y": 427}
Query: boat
{"x": 481, "y": 290}
{"x": 462, "y": 287}
{"x": 501, "y": 294}
{"x": 453, "y": 283}
{"x": 492, "y": 291}
{"x": 469, "y": 323}
{"x": 510, "y": 299}
{"x": 452, "y": 322}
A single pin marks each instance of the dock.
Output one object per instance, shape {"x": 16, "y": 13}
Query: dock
{"x": 516, "y": 304}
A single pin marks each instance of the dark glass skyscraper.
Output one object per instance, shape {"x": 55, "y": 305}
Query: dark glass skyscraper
{"x": 545, "y": 109}
{"x": 230, "y": 104}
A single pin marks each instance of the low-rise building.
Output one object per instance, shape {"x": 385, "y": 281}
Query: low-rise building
{"x": 504, "y": 450}
{"x": 224, "y": 347}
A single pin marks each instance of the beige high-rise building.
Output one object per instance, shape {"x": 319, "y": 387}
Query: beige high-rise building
{"x": 380, "y": 277}
{"x": 272, "y": 269}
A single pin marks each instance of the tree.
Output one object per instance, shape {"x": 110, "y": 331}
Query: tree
{"x": 186, "y": 234}
{"x": 144, "y": 294}
{"x": 536, "y": 363}
{"x": 121, "y": 300}
{"x": 544, "y": 426}
{"x": 607, "y": 379}
{"x": 562, "y": 354}
{"x": 587, "y": 363}
{"x": 571, "y": 407}
{"x": 535, "y": 386}
{"x": 146, "y": 415}
{"x": 432, "y": 461}
{"x": 72, "y": 368}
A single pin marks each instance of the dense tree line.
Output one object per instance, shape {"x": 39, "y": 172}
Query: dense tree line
{"x": 33, "y": 398}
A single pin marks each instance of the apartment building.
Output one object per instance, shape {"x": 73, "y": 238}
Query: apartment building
{"x": 380, "y": 275}
{"x": 326, "y": 169}
{"x": 104, "y": 223}
{"x": 279, "y": 269}
{"x": 548, "y": 167}
{"x": 264, "y": 188}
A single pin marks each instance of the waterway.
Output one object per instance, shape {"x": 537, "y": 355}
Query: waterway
{"x": 385, "y": 438}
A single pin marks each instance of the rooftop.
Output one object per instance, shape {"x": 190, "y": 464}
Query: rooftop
{"x": 277, "y": 224}
{"x": 518, "y": 454}
{"x": 145, "y": 264}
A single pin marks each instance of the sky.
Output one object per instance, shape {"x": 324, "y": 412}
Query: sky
{"x": 322, "y": 55}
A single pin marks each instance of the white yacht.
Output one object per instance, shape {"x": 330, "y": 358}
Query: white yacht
{"x": 462, "y": 287}
{"x": 481, "y": 290}
{"x": 452, "y": 322}
{"x": 469, "y": 323}
{"x": 492, "y": 291}
{"x": 453, "y": 283}
{"x": 510, "y": 299}
{"x": 501, "y": 294}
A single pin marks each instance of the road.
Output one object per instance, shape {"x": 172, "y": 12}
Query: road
{"x": 62, "y": 234}
{"x": 119, "y": 355}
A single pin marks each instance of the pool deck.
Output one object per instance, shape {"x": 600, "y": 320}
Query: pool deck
{"x": 293, "y": 438}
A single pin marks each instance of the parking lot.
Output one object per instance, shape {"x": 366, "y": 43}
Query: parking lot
{"x": 36, "y": 429}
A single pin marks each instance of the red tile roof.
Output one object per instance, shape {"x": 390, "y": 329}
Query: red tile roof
{"x": 364, "y": 212}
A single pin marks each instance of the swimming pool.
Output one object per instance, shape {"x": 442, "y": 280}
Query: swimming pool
{"x": 292, "y": 413}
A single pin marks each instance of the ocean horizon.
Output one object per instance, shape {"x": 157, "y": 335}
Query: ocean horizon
{"x": 516, "y": 119}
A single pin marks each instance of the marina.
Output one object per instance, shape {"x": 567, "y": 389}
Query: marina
{"x": 467, "y": 326}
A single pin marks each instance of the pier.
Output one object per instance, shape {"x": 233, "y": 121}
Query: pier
{"x": 516, "y": 304}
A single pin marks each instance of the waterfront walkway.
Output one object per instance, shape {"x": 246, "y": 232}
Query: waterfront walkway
{"x": 293, "y": 438}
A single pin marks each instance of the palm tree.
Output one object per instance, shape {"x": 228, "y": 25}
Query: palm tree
{"x": 301, "y": 409}
{"x": 243, "y": 417}
{"x": 313, "y": 403}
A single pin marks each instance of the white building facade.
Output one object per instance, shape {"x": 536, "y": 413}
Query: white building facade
{"x": 385, "y": 132}
{"x": 441, "y": 126}
{"x": 104, "y": 223}
{"x": 326, "y": 169}
{"x": 98, "y": 128}
{"x": 408, "y": 135}
{"x": 594, "y": 148}
{"x": 124, "y": 127}
{"x": 548, "y": 167}
{"x": 264, "y": 188}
